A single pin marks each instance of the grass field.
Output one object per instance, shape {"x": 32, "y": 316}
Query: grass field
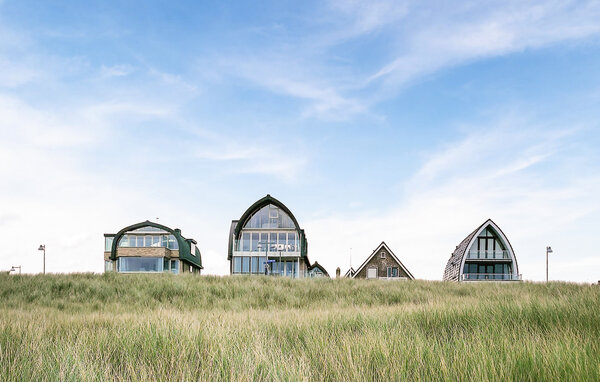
{"x": 164, "y": 327}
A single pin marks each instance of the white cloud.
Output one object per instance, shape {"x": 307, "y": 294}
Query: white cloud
{"x": 498, "y": 172}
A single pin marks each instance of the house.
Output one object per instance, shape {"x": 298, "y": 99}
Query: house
{"x": 267, "y": 240}
{"x": 484, "y": 255}
{"x": 149, "y": 247}
{"x": 316, "y": 270}
{"x": 381, "y": 264}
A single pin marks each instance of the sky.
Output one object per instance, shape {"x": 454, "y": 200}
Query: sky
{"x": 409, "y": 122}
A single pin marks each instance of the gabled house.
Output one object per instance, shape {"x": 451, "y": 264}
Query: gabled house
{"x": 484, "y": 255}
{"x": 149, "y": 247}
{"x": 381, "y": 264}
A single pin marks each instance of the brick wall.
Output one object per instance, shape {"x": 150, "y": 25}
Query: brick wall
{"x": 381, "y": 265}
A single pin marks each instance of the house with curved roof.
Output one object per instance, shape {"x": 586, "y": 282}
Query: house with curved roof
{"x": 484, "y": 255}
{"x": 382, "y": 264}
{"x": 149, "y": 247}
{"x": 268, "y": 240}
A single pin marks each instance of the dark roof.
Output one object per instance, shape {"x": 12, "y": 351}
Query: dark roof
{"x": 183, "y": 243}
{"x": 452, "y": 271}
{"x": 319, "y": 266}
{"x": 383, "y": 244}
{"x": 350, "y": 272}
{"x": 237, "y": 225}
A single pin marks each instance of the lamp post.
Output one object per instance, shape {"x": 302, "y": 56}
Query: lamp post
{"x": 43, "y": 248}
{"x": 14, "y": 268}
{"x": 548, "y": 250}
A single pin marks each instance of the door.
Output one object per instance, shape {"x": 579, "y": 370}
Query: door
{"x": 372, "y": 273}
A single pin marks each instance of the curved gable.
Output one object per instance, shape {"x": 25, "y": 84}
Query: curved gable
{"x": 257, "y": 206}
{"x": 183, "y": 243}
{"x": 456, "y": 262}
{"x": 237, "y": 225}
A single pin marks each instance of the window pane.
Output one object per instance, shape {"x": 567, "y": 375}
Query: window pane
{"x": 264, "y": 239}
{"x": 140, "y": 264}
{"x": 281, "y": 241}
{"x": 108, "y": 241}
{"x": 289, "y": 268}
{"x": 245, "y": 241}
{"x": 273, "y": 241}
{"x": 254, "y": 264}
{"x": 245, "y": 264}
{"x": 255, "y": 242}
{"x": 291, "y": 241}
{"x": 175, "y": 266}
{"x": 237, "y": 264}
{"x": 261, "y": 264}
{"x": 124, "y": 241}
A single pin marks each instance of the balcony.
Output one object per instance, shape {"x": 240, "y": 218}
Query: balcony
{"x": 488, "y": 255}
{"x": 271, "y": 250}
{"x": 490, "y": 276}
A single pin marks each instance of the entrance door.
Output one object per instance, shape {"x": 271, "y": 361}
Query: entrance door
{"x": 372, "y": 273}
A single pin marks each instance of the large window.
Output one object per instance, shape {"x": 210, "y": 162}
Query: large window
{"x": 138, "y": 241}
{"x": 270, "y": 217}
{"x": 140, "y": 264}
{"x": 392, "y": 271}
{"x": 268, "y": 242}
{"x": 108, "y": 242}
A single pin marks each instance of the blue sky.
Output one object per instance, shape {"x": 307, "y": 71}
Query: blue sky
{"x": 410, "y": 122}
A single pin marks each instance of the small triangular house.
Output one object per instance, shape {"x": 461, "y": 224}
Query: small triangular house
{"x": 382, "y": 264}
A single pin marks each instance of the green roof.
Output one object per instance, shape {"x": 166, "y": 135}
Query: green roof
{"x": 237, "y": 225}
{"x": 183, "y": 243}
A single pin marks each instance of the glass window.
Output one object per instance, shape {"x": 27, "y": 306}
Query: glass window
{"x": 147, "y": 241}
{"x": 261, "y": 264}
{"x": 255, "y": 237}
{"x": 273, "y": 241}
{"x": 108, "y": 241}
{"x": 140, "y": 264}
{"x": 264, "y": 239}
{"x": 140, "y": 241}
{"x": 237, "y": 264}
{"x": 124, "y": 241}
{"x": 254, "y": 265}
{"x": 289, "y": 268}
{"x": 246, "y": 241}
{"x": 291, "y": 241}
{"x": 173, "y": 243}
{"x": 281, "y": 241}
{"x": 175, "y": 266}
{"x": 108, "y": 266}
{"x": 269, "y": 217}
{"x": 245, "y": 264}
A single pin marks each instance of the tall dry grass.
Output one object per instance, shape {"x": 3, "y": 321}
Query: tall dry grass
{"x": 164, "y": 327}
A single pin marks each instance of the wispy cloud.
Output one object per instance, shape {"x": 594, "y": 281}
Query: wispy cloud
{"x": 526, "y": 176}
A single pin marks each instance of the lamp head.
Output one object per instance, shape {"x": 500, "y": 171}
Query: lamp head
{"x": 549, "y": 249}
{"x": 42, "y": 247}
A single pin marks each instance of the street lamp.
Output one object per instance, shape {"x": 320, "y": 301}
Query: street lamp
{"x": 548, "y": 250}
{"x": 43, "y": 248}
{"x": 14, "y": 268}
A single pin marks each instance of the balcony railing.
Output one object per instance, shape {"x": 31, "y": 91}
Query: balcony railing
{"x": 270, "y": 249}
{"x": 490, "y": 276}
{"x": 488, "y": 255}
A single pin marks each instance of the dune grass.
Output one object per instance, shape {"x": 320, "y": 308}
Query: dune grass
{"x": 165, "y": 327}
